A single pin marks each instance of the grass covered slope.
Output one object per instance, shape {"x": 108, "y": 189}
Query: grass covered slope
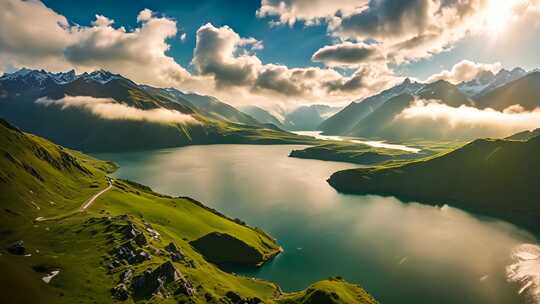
{"x": 353, "y": 153}
{"x": 492, "y": 177}
{"x": 131, "y": 245}
{"x": 331, "y": 291}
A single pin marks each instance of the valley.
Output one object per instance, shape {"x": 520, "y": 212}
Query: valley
{"x": 269, "y": 152}
{"x": 102, "y": 250}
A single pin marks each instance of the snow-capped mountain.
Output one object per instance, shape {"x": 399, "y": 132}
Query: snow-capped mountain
{"x": 42, "y": 77}
{"x": 487, "y": 82}
{"x": 100, "y": 76}
{"x": 343, "y": 121}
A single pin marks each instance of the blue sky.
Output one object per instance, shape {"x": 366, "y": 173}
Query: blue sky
{"x": 359, "y": 47}
{"x": 292, "y": 46}
{"x": 288, "y": 45}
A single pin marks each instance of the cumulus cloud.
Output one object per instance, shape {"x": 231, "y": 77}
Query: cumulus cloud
{"x": 465, "y": 70}
{"x": 47, "y": 40}
{"x": 406, "y": 30}
{"x": 467, "y": 121}
{"x": 225, "y": 64}
{"x": 231, "y": 61}
{"x": 348, "y": 54}
{"x": 107, "y": 108}
{"x": 412, "y": 29}
{"x": 309, "y": 11}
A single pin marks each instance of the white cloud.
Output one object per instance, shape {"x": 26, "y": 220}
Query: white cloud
{"x": 231, "y": 61}
{"x": 107, "y": 108}
{"x": 465, "y": 70}
{"x": 309, "y": 11}
{"x": 47, "y": 40}
{"x": 144, "y": 15}
{"x": 226, "y": 64}
{"x": 470, "y": 121}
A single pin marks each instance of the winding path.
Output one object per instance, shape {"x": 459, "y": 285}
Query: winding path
{"x": 84, "y": 206}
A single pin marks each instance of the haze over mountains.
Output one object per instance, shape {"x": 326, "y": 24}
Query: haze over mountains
{"x": 302, "y": 118}
{"x": 109, "y": 108}
{"x": 102, "y": 111}
{"x": 495, "y": 105}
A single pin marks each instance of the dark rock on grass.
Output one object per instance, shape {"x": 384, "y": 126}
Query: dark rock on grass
{"x": 140, "y": 239}
{"x": 120, "y": 292}
{"x": 130, "y": 231}
{"x": 153, "y": 282}
{"x": 233, "y": 296}
{"x": 222, "y": 248}
{"x": 176, "y": 253}
{"x": 17, "y": 248}
{"x": 126, "y": 275}
{"x": 114, "y": 264}
{"x": 127, "y": 252}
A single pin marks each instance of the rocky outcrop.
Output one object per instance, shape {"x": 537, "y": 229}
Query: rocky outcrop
{"x": 17, "y": 248}
{"x": 235, "y": 298}
{"x": 153, "y": 282}
{"x": 175, "y": 252}
{"x": 120, "y": 292}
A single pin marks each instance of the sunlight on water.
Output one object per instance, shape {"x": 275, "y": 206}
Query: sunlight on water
{"x": 525, "y": 270}
{"x": 370, "y": 240}
{"x": 371, "y": 143}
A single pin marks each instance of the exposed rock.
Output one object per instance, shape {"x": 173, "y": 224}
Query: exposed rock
{"x": 153, "y": 233}
{"x": 153, "y": 281}
{"x": 140, "y": 239}
{"x": 17, "y": 248}
{"x": 176, "y": 253}
{"x": 114, "y": 264}
{"x": 120, "y": 292}
{"x": 233, "y": 296}
{"x": 126, "y": 275}
{"x": 130, "y": 231}
{"x": 127, "y": 252}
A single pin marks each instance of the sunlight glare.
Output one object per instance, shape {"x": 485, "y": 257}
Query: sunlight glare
{"x": 498, "y": 14}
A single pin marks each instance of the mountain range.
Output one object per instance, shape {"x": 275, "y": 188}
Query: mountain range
{"x": 102, "y": 111}
{"x": 302, "y": 118}
{"x": 376, "y": 116}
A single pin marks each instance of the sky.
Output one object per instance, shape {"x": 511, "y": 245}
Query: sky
{"x": 286, "y": 52}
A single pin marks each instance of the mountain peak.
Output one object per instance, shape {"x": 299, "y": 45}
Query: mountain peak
{"x": 101, "y": 76}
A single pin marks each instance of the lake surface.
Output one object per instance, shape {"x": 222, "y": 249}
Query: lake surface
{"x": 372, "y": 143}
{"x": 400, "y": 253}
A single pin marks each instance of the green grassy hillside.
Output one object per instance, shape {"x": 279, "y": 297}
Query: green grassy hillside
{"x": 131, "y": 245}
{"x": 331, "y": 291}
{"x": 491, "y": 177}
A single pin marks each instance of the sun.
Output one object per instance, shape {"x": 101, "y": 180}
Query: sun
{"x": 498, "y": 15}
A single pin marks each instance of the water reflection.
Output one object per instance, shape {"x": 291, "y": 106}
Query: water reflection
{"x": 402, "y": 253}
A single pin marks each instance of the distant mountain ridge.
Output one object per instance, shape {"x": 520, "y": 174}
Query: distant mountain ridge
{"x": 486, "y": 81}
{"x": 74, "y": 124}
{"x": 344, "y": 121}
{"x": 374, "y": 116}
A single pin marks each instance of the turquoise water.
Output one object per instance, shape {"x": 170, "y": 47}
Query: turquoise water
{"x": 401, "y": 253}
